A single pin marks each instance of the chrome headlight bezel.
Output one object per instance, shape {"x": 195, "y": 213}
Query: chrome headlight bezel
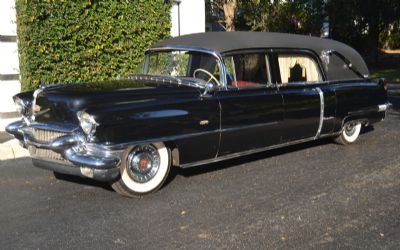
{"x": 87, "y": 123}
{"x": 23, "y": 107}
{"x": 19, "y": 105}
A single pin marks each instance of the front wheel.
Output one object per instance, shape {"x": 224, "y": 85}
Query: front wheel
{"x": 350, "y": 133}
{"x": 144, "y": 169}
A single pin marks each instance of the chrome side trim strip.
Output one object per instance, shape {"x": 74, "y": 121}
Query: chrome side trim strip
{"x": 121, "y": 146}
{"x": 173, "y": 137}
{"x": 249, "y": 126}
{"x": 252, "y": 151}
{"x": 321, "y": 115}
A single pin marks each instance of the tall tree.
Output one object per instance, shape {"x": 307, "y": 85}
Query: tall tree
{"x": 228, "y": 9}
{"x": 292, "y": 16}
{"x": 359, "y": 22}
{"x": 377, "y": 16}
{"x": 356, "y": 22}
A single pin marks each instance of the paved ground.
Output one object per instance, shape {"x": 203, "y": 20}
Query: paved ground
{"x": 10, "y": 148}
{"x": 311, "y": 196}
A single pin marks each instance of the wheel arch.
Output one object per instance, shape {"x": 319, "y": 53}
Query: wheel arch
{"x": 174, "y": 152}
{"x": 355, "y": 119}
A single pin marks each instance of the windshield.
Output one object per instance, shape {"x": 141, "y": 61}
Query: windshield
{"x": 184, "y": 64}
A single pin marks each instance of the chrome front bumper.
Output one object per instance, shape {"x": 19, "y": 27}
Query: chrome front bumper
{"x": 64, "y": 149}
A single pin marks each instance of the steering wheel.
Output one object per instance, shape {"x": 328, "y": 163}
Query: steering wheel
{"x": 207, "y": 73}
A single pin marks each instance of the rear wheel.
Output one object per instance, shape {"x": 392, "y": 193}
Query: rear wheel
{"x": 350, "y": 133}
{"x": 144, "y": 169}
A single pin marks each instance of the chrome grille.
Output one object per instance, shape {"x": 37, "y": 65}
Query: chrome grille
{"x": 45, "y": 154}
{"x": 46, "y": 136}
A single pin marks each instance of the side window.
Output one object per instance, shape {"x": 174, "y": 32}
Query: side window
{"x": 337, "y": 65}
{"x": 298, "y": 68}
{"x": 246, "y": 70}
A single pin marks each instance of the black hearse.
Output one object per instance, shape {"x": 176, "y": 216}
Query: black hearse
{"x": 201, "y": 98}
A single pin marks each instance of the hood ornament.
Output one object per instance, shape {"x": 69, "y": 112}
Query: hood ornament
{"x": 35, "y": 108}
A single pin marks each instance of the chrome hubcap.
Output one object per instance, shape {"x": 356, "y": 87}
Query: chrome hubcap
{"x": 349, "y": 129}
{"x": 143, "y": 163}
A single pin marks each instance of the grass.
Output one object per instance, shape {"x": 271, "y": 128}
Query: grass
{"x": 388, "y": 66}
{"x": 391, "y": 75}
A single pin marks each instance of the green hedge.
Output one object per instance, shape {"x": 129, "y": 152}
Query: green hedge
{"x": 80, "y": 41}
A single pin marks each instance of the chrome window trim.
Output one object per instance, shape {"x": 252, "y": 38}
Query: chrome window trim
{"x": 308, "y": 52}
{"x": 265, "y": 52}
{"x": 268, "y": 69}
{"x": 222, "y": 73}
{"x": 234, "y": 69}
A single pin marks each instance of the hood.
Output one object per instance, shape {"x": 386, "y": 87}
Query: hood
{"x": 60, "y": 103}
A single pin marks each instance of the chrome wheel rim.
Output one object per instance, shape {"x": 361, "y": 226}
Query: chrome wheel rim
{"x": 143, "y": 163}
{"x": 349, "y": 129}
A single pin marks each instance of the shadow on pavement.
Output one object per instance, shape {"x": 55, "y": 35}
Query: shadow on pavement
{"x": 394, "y": 99}
{"x": 83, "y": 181}
{"x": 246, "y": 159}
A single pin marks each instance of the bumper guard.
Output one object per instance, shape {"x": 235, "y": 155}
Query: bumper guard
{"x": 96, "y": 164}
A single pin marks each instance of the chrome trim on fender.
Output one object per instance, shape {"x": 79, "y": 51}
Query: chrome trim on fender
{"x": 321, "y": 115}
{"x": 121, "y": 146}
{"x": 124, "y": 145}
{"x": 258, "y": 125}
{"x": 384, "y": 107}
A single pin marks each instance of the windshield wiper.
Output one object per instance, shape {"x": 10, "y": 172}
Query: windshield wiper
{"x": 166, "y": 79}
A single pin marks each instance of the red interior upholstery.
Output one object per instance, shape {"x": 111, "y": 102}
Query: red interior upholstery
{"x": 244, "y": 83}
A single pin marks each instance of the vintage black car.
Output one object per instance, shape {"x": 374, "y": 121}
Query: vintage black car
{"x": 201, "y": 98}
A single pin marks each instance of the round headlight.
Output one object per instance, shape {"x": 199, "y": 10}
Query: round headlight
{"x": 87, "y": 122}
{"x": 22, "y": 106}
{"x": 19, "y": 105}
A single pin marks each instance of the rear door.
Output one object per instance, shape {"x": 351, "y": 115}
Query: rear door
{"x": 300, "y": 79}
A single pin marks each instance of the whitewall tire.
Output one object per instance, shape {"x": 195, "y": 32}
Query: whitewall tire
{"x": 350, "y": 133}
{"x": 144, "y": 169}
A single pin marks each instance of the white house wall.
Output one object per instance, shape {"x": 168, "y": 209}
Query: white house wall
{"x": 9, "y": 67}
{"x": 191, "y": 17}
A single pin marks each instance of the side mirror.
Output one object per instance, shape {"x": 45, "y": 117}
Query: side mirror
{"x": 208, "y": 88}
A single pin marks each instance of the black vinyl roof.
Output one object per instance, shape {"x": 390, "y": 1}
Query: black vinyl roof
{"x": 222, "y": 42}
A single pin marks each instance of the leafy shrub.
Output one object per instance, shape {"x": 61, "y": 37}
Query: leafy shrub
{"x": 81, "y": 41}
{"x": 390, "y": 40}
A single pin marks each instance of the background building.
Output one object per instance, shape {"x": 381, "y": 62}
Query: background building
{"x": 9, "y": 67}
{"x": 187, "y": 16}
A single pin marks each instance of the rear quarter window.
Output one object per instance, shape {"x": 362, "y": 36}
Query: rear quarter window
{"x": 298, "y": 68}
